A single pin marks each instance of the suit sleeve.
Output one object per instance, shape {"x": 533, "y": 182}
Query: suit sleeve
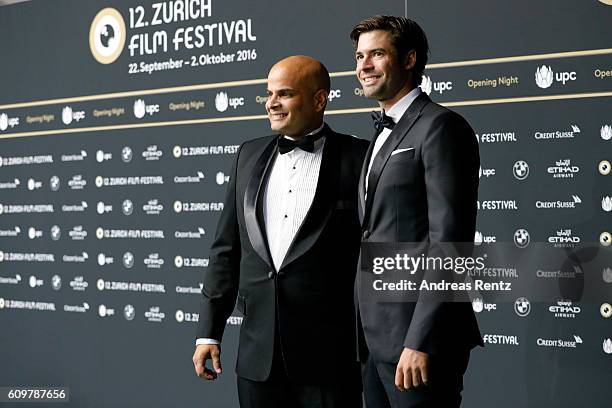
{"x": 451, "y": 161}
{"x": 220, "y": 286}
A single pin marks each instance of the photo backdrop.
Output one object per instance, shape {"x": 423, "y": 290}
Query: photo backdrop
{"x": 119, "y": 121}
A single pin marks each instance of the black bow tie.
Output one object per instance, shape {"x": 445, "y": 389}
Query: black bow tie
{"x": 305, "y": 143}
{"x": 382, "y": 121}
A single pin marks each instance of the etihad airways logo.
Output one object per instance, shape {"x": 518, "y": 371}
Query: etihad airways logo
{"x": 545, "y": 77}
{"x": 564, "y": 239}
{"x": 564, "y": 309}
{"x": 563, "y": 169}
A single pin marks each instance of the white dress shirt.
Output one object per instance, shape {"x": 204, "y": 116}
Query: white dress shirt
{"x": 396, "y": 112}
{"x": 288, "y": 195}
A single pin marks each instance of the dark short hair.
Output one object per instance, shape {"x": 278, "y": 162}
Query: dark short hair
{"x": 406, "y": 35}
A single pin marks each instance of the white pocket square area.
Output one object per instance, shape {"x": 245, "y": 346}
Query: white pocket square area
{"x": 398, "y": 151}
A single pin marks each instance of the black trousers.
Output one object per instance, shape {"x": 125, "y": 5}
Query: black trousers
{"x": 279, "y": 391}
{"x": 443, "y": 391}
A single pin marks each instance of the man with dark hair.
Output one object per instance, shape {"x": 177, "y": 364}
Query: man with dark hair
{"x": 419, "y": 184}
{"x": 285, "y": 254}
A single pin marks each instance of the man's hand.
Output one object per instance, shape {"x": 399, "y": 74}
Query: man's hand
{"x": 204, "y": 352}
{"x": 412, "y": 369}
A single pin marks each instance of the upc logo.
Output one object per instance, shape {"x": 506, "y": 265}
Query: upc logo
{"x": 545, "y": 77}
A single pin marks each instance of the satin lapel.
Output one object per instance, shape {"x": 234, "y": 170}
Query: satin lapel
{"x": 399, "y": 132}
{"x": 323, "y": 202}
{"x": 364, "y": 171}
{"x": 254, "y": 225}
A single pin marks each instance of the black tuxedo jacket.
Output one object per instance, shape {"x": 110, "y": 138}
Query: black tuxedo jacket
{"x": 425, "y": 194}
{"x": 311, "y": 296}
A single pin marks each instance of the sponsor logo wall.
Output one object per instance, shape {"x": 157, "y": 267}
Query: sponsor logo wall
{"x": 111, "y": 184}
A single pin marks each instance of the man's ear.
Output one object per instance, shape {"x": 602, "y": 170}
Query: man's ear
{"x": 320, "y": 100}
{"x": 410, "y": 60}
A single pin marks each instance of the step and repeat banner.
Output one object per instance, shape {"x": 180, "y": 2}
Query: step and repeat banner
{"x": 119, "y": 122}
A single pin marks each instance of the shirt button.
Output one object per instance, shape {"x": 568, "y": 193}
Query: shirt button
{"x": 286, "y": 216}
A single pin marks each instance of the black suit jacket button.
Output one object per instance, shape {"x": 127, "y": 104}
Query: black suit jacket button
{"x": 366, "y": 234}
{"x": 281, "y": 273}
{"x": 270, "y": 275}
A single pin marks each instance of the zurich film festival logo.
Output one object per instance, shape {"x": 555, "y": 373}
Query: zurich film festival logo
{"x": 107, "y": 36}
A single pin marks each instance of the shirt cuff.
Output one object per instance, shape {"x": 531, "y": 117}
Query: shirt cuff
{"x": 206, "y": 341}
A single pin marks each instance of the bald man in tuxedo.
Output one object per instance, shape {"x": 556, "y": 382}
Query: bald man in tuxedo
{"x": 285, "y": 253}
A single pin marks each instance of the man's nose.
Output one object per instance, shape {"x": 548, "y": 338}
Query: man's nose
{"x": 272, "y": 101}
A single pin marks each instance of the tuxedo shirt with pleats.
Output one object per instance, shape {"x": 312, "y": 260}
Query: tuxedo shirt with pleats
{"x": 288, "y": 196}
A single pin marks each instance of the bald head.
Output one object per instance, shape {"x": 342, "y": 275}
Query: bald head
{"x": 297, "y": 95}
{"x": 305, "y": 70}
